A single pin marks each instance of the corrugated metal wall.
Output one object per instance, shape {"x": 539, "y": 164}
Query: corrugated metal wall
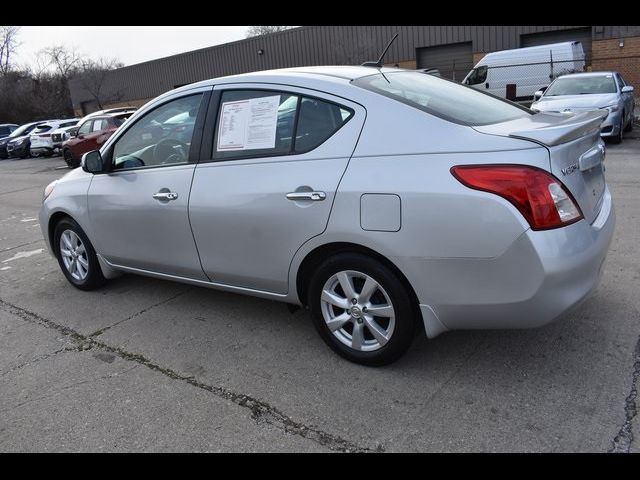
{"x": 313, "y": 45}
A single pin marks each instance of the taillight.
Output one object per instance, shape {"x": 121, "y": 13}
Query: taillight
{"x": 538, "y": 195}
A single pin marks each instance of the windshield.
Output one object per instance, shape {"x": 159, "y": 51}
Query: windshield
{"x": 445, "y": 99}
{"x": 23, "y": 130}
{"x": 581, "y": 86}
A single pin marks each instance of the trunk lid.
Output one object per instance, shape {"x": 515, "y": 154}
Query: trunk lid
{"x": 576, "y": 151}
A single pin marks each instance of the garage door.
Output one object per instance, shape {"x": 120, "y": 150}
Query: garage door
{"x": 454, "y": 61}
{"x": 582, "y": 35}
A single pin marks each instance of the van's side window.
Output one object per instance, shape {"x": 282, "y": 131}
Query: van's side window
{"x": 258, "y": 123}
{"x": 478, "y": 75}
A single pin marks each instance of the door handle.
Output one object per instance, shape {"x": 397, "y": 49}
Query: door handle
{"x": 313, "y": 196}
{"x": 165, "y": 196}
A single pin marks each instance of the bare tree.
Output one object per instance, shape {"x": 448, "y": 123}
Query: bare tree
{"x": 8, "y": 45}
{"x": 263, "y": 30}
{"x": 93, "y": 79}
{"x": 65, "y": 61}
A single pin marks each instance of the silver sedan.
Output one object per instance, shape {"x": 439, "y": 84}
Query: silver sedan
{"x": 385, "y": 201}
{"x": 578, "y": 92}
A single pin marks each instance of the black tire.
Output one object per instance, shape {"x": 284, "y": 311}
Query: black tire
{"x": 68, "y": 158}
{"x": 405, "y": 321}
{"x": 618, "y": 138}
{"x": 48, "y": 154}
{"x": 94, "y": 278}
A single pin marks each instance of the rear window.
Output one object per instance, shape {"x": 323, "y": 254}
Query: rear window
{"x": 582, "y": 86}
{"x": 445, "y": 99}
{"x": 42, "y": 128}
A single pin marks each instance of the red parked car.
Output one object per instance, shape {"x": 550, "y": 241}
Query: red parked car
{"x": 91, "y": 134}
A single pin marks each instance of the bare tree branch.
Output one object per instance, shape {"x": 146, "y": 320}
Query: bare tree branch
{"x": 93, "y": 80}
{"x": 8, "y": 46}
{"x": 263, "y": 30}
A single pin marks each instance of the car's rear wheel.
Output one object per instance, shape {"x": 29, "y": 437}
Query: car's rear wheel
{"x": 76, "y": 256}
{"x": 361, "y": 309}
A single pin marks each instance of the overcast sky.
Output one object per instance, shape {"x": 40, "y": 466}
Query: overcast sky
{"x": 128, "y": 44}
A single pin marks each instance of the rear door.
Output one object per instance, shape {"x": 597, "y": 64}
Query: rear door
{"x": 274, "y": 161}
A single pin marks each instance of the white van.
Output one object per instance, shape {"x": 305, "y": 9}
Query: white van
{"x": 529, "y": 69}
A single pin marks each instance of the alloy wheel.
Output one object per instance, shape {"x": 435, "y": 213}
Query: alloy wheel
{"x": 357, "y": 310}
{"x": 74, "y": 255}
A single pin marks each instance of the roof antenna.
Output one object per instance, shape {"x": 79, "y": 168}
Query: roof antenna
{"x": 378, "y": 64}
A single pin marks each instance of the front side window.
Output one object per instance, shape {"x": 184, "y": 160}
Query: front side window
{"x": 477, "y": 75}
{"x": 621, "y": 83}
{"x": 582, "y": 85}
{"x": 85, "y": 128}
{"x": 254, "y": 123}
{"x": 161, "y": 138}
{"x": 442, "y": 98}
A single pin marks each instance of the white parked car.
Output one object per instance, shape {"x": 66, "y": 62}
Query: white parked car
{"x": 61, "y": 134}
{"x": 41, "y": 141}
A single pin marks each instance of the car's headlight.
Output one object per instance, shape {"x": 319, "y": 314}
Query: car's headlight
{"x": 48, "y": 189}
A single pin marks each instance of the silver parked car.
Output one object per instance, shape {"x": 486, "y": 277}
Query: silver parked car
{"x": 381, "y": 199}
{"x": 579, "y": 92}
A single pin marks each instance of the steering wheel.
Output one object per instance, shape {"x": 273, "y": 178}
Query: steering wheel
{"x": 170, "y": 150}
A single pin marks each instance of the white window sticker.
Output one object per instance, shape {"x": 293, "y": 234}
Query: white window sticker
{"x": 248, "y": 124}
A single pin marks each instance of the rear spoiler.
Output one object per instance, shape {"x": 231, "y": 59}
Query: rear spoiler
{"x": 566, "y": 130}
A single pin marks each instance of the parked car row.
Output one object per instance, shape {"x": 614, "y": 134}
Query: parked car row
{"x": 553, "y": 77}
{"x": 72, "y": 137}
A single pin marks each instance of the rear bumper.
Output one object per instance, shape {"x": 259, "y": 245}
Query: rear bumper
{"x": 541, "y": 276}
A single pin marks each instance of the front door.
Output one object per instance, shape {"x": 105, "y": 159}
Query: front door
{"x": 277, "y": 158}
{"x": 138, "y": 210}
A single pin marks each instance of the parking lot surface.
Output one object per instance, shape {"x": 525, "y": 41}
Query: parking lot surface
{"x": 149, "y": 365}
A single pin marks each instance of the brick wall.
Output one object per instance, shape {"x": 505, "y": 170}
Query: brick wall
{"x": 608, "y": 55}
{"x": 477, "y": 57}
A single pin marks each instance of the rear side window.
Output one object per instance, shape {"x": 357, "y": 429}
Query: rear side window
{"x": 442, "y": 98}
{"x": 258, "y": 123}
{"x": 99, "y": 124}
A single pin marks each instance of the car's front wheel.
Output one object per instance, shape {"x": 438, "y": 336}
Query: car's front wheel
{"x": 68, "y": 158}
{"x": 618, "y": 138}
{"x": 361, "y": 309}
{"x": 76, "y": 256}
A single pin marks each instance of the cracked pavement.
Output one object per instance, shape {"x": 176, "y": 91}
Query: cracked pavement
{"x": 149, "y": 365}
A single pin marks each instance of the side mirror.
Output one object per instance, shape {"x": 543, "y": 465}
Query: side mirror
{"x": 73, "y": 132}
{"x": 627, "y": 89}
{"x": 92, "y": 162}
{"x": 537, "y": 95}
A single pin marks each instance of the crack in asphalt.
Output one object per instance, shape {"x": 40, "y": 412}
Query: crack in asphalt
{"x": 623, "y": 440}
{"x": 137, "y": 314}
{"x": 261, "y": 412}
{"x": 34, "y": 361}
{"x": 23, "y": 245}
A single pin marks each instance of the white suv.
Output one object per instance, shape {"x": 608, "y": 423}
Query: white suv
{"x": 41, "y": 141}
